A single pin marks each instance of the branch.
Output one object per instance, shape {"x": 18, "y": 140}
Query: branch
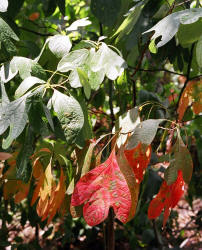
{"x": 35, "y": 32}
{"x": 164, "y": 70}
{"x": 195, "y": 77}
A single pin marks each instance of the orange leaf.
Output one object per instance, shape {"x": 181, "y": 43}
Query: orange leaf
{"x": 138, "y": 158}
{"x": 34, "y": 16}
{"x": 4, "y": 156}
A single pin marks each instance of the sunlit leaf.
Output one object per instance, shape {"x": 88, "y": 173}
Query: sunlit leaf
{"x": 59, "y": 45}
{"x": 102, "y": 188}
{"x": 3, "y": 5}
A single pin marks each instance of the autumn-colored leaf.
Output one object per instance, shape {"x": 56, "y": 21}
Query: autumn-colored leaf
{"x": 4, "y": 156}
{"x": 102, "y": 188}
{"x": 139, "y": 158}
{"x": 167, "y": 198}
{"x": 22, "y": 191}
{"x": 192, "y": 94}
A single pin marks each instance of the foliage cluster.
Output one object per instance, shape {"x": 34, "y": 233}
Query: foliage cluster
{"x": 98, "y": 99}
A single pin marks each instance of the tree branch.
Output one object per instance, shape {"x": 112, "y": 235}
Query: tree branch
{"x": 35, "y": 32}
{"x": 164, "y": 70}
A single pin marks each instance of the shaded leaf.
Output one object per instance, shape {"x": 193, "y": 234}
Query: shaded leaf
{"x": 199, "y": 52}
{"x": 144, "y": 133}
{"x": 167, "y": 198}
{"x": 138, "y": 158}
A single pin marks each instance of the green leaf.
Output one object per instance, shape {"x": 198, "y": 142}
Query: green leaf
{"x": 168, "y": 26}
{"x": 26, "y": 84}
{"x": 144, "y": 132}
{"x": 6, "y": 36}
{"x": 84, "y": 82}
{"x": 3, "y": 5}
{"x": 189, "y": 33}
{"x": 69, "y": 113}
{"x": 107, "y": 11}
{"x": 6, "y": 73}
{"x": 73, "y": 60}
{"x": 152, "y": 47}
{"x": 22, "y": 65}
{"x": 59, "y": 45}
{"x": 170, "y": 174}
{"x": 128, "y": 24}
{"x": 108, "y": 61}
{"x": 24, "y": 168}
{"x": 126, "y": 124}
{"x": 183, "y": 160}
{"x": 199, "y": 52}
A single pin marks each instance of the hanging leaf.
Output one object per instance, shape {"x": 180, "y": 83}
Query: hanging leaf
{"x": 83, "y": 22}
{"x": 168, "y": 26}
{"x": 144, "y": 132}
{"x": 129, "y": 22}
{"x": 183, "y": 160}
{"x": 7, "y": 35}
{"x": 59, "y": 45}
{"x": 69, "y": 113}
{"x": 192, "y": 94}
{"x": 126, "y": 125}
{"x": 102, "y": 188}
{"x": 167, "y": 198}
{"x": 138, "y": 158}
{"x": 84, "y": 82}
{"x": 199, "y": 52}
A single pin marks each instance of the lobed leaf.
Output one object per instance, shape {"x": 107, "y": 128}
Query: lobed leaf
{"x": 168, "y": 26}
{"x": 102, "y": 188}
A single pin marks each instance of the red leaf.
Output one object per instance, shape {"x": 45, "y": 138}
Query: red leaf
{"x": 102, "y": 188}
{"x": 138, "y": 158}
{"x": 167, "y": 198}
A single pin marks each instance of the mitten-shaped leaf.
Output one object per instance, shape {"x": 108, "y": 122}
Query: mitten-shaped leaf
{"x": 102, "y": 188}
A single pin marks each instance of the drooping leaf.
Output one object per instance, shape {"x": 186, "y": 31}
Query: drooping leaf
{"x": 133, "y": 185}
{"x": 167, "y": 198}
{"x": 7, "y": 35}
{"x": 69, "y": 113}
{"x": 14, "y": 115}
{"x": 183, "y": 160}
{"x": 73, "y": 60}
{"x": 168, "y": 26}
{"x": 144, "y": 132}
{"x": 26, "y": 84}
{"x": 129, "y": 22}
{"x": 3, "y": 5}
{"x": 6, "y": 73}
{"x": 199, "y": 52}
{"x": 138, "y": 158}
{"x": 171, "y": 173}
{"x": 23, "y": 166}
{"x": 106, "y": 10}
{"x": 102, "y": 188}
{"x": 59, "y": 45}
{"x": 84, "y": 82}
{"x": 126, "y": 125}
{"x": 192, "y": 94}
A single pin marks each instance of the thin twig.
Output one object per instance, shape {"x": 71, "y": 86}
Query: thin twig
{"x": 35, "y": 32}
{"x": 164, "y": 70}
